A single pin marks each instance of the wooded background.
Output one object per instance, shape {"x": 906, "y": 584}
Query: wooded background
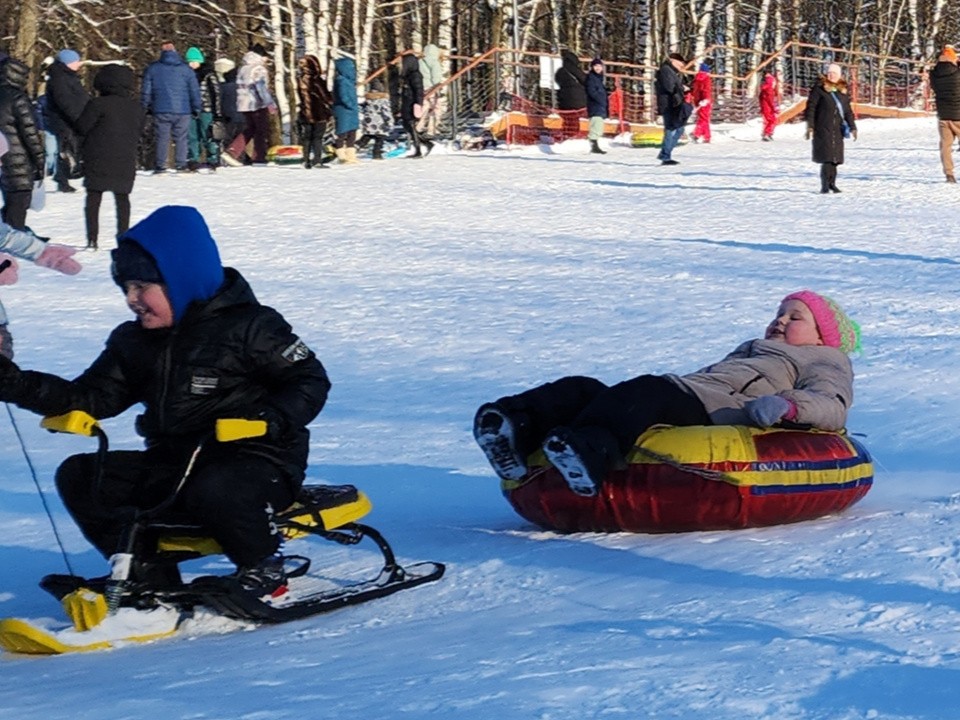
{"x": 376, "y": 31}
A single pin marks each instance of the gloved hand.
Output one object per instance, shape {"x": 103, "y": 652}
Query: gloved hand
{"x": 809, "y": 133}
{"x": 703, "y": 103}
{"x": 768, "y": 410}
{"x": 854, "y": 134}
{"x": 195, "y": 114}
{"x": 59, "y": 258}
{"x": 272, "y": 109}
{"x": 276, "y": 424}
{"x": 9, "y": 276}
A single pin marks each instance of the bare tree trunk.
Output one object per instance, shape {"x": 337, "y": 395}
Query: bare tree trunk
{"x": 758, "y": 45}
{"x": 703, "y": 25}
{"x": 281, "y": 71}
{"x": 730, "y": 60}
{"x": 673, "y": 27}
{"x": 25, "y": 47}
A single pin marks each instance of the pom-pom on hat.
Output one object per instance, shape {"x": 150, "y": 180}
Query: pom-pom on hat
{"x": 836, "y": 329}
{"x": 194, "y": 54}
{"x": 704, "y": 67}
{"x": 67, "y": 56}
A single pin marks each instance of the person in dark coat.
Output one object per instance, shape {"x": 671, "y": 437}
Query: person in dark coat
{"x": 66, "y": 99}
{"x": 202, "y": 348}
{"x": 829, "y": 120}
{"x": 571, "y": 94}
{"x": 314, "y": 110}
{"x": 231, "y": 120}
{"x": 570, "y": 79}
{"x": 111, "y": 127}
{"x": 24, "y": 162}
{"x": 945, "y": 81}
{"x": 346, "y": 109}
{"x": 170, "y": 93}
{"x": 411, "y": 104}
{"x": 597, "y": 104}
{"x": 671, "y": 105}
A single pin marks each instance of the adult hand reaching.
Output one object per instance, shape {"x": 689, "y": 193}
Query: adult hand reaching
{"x": 8, "y": 276}
{"x": 59, "y": 258}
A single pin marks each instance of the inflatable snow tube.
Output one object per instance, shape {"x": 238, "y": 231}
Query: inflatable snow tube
{"x": 704, "y": 478}
{"x": 285, "y": 154}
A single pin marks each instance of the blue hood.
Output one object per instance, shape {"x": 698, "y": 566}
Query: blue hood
{"x": 171, "y": 57}
{"x": 177, "y": 238}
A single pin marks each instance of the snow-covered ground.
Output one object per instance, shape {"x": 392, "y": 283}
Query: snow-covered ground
{"x": 429, "y": 287}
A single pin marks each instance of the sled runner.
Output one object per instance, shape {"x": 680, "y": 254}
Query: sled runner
{"x": 146, "y": 598}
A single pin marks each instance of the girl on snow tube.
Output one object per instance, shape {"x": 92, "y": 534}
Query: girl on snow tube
{"x": 799, "y": 375}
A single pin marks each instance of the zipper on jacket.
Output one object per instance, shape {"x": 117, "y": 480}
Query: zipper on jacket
{"x": 743, "y": 390}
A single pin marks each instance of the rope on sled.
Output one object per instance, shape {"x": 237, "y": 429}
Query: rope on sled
{"x": 43, "y": 498}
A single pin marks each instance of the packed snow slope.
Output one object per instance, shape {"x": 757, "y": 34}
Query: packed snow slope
{"x": 429, "y": 287}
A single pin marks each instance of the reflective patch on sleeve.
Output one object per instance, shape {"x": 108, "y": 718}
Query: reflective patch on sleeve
{"x": 296, "y": 352}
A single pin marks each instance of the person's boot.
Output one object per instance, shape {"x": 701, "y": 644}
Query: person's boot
{"x": 351, "y": 156}
{"x": 595, "y": 148}
{"x": 496, "y": 433}
{"x": 341, "y": 155}
{"x": 378, "y": 148}
{"x": 265, "y": 578}
{"x": 824, "y": 180}
{"x": 583, "y": 457}
{"x": 428, "y": 144}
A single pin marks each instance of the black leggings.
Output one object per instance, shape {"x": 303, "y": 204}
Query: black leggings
{"x": 15, "y": 206}
{"x": 828, "y": 176}
{"x": 312, "y": 140}
{"x": 624, "y": 410}
{"x": 92, "y": 211}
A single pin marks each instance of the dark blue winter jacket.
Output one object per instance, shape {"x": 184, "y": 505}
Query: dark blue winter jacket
{"x": 186, "y": 255}
{"x": 170, "y": 86}
{"x": 596, "y": 95}
{"x": 346, "y": 110}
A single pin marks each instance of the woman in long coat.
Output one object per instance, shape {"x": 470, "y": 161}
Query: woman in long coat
{"x": 314, "y": 111}
{"x": 111, "y": 126}
{"x": 829, "y": 120}
{"x": 346, "y": 109}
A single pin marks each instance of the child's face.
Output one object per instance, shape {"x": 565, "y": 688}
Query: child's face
{"x": 149, "y": 303}
{"x": 794, "y": 325}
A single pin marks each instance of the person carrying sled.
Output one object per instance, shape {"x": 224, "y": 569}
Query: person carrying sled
{"x": 701, "y": 96}
{"x": 769, "y": 104}
{"x": 201, "y": 348}
{"x": 798, "y": 373}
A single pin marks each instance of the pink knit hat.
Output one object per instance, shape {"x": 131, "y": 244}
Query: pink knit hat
{"x": 836, "y": 329}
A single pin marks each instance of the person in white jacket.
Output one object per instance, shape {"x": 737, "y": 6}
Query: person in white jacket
{"x": 26, "y": 245}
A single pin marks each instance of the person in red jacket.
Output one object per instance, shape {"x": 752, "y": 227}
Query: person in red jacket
{"x": 769, "y": 103}
{"x": 702, "y": 100}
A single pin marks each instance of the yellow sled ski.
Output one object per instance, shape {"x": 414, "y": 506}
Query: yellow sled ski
{"x": 21, "y": 636}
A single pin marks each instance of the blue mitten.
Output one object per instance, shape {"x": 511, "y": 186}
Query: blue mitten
{"x": 768, "y": 410}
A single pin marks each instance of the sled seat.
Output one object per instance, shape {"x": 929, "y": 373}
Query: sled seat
{"x": 317, "y": 509}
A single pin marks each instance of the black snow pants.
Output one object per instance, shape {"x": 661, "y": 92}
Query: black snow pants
{"x": 231, "y": 494}
{"x": 584, "y": 404}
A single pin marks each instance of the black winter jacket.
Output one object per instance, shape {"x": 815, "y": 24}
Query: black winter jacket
{"x": 945, "y": 81}
{"x": 570, "y": 78}
{"x": 24, "y": 161}
{"x": 66, "y": 99}
{"x": 597, "y": 103}
{"x": 229, "y": 357}
{"x": 412, "y": 87}
{"x": 111, "y": 126}
{"x": 670, "y": 97}
{"x": 824, "y": 117}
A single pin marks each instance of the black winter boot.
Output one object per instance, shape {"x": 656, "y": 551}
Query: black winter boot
{"x": 496, "y": 433}
{"x": 595, "y": 148}
{"x": 377, "y": 152}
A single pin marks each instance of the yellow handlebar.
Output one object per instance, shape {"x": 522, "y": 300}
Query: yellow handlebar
{"x": 230, "y": 429}
{"x": 75, "y": 422}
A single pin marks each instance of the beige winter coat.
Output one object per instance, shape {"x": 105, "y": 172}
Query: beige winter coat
{"x": 816, "y": 378}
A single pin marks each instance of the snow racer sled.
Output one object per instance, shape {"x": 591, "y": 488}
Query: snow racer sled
{"x": 145, "y": 597}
